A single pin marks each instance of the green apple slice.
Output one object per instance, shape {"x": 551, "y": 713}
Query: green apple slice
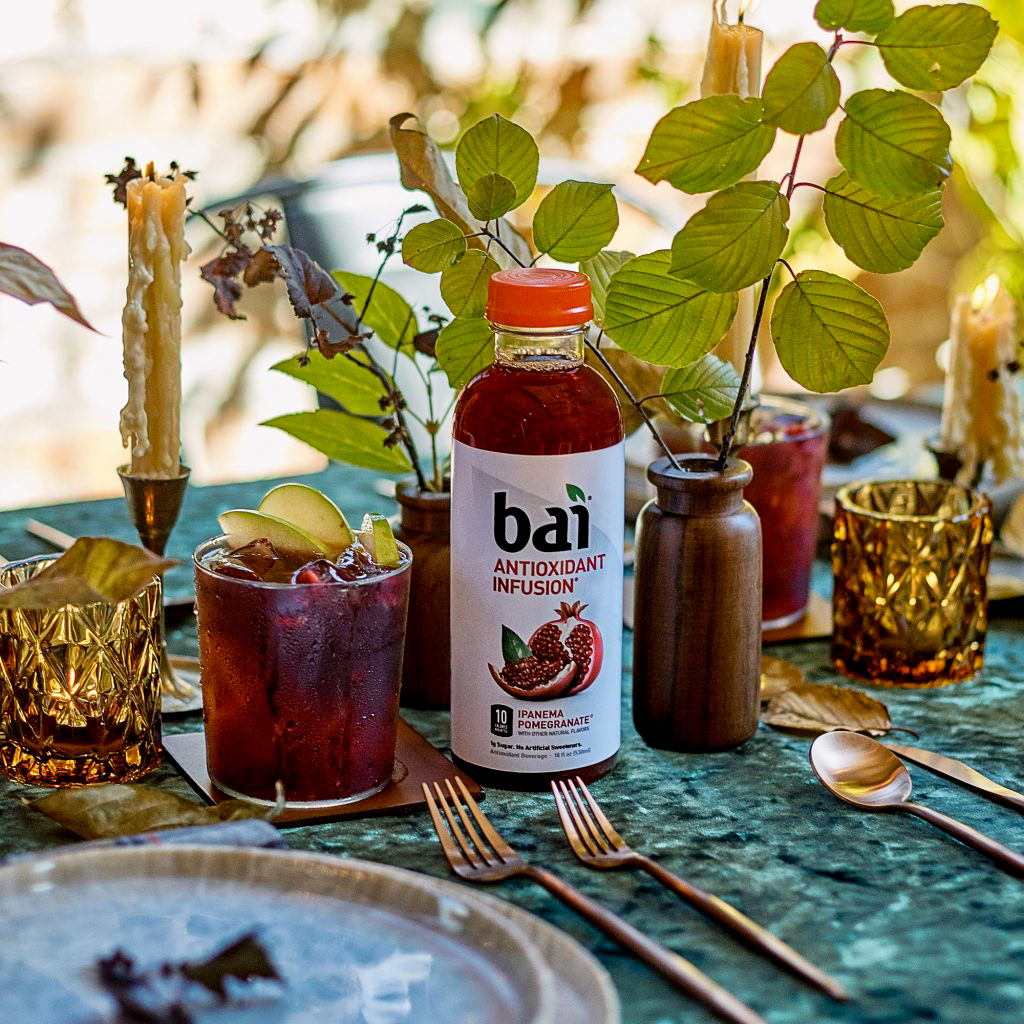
{"x": 245, "y": 525}
{"x": 377, "y": 538}
{"x": 312, "y": 512}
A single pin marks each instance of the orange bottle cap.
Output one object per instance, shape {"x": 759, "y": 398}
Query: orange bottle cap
{"x": 539, "y": 297}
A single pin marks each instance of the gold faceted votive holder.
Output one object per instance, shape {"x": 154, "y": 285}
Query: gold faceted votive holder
{"x": 909, "y": 561}
{"x": 79, "y": 687}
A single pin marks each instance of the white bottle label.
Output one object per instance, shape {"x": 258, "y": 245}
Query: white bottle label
{"x": 537, "y": 603}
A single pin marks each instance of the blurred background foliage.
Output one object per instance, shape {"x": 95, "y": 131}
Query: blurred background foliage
{"x": 247, "y": 91}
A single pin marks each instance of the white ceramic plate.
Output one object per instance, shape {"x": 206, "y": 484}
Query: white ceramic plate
{"x": 356, "y": 942}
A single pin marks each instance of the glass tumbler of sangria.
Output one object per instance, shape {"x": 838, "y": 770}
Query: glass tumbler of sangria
{"x": 301, "y": 646}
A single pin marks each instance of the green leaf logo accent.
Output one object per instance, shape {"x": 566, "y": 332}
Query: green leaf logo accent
{"x": 880, "y": 235}
{"x": 936, "y": 48}
{"x": 575, "y": 220}
{"x": 389, "y": 316}
{"x": 513, "y": 647}
{"x": 829, "y": 333}
{"x": 599, "y": 269}
{"x": 498, "y": 146}
{"x": 735, "y": 240}
{"x": 704, "y": 391}
{"x": 893, "y": 144}
{"x": 707, "y": 144}
{"x": 491, "y": 196}
{"x": 340, "y": 436}
{"x": 855, "y": 15}
{"x": 801, "y": 91}
{"x": 433, "y": 246}
{"x": 464, "y": 285}
{"x": 661, "y": 318}
{"x": 464, "y": 348}
{"x": 357, "y": 389}
{"x": 575, "y": 493}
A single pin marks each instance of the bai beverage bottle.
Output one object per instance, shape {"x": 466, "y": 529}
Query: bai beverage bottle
{"x": 537, "y": 521}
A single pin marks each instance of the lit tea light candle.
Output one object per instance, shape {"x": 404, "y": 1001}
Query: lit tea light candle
{"x": 733, "y": 65}
{"x": 981, "y": 415}
{"x": 151, "y": 324}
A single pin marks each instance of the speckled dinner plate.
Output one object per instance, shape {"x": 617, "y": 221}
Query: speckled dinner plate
{"x": 356, "y": 942}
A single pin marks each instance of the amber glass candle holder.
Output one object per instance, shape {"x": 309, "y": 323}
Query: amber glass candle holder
{"x": 909, "y": 561}
{"x": 79, "y": 688}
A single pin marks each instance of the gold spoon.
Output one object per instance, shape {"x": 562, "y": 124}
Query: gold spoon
{"x": 860, "y": 771}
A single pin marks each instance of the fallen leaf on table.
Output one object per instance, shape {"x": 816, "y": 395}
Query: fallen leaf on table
{"x": 107, "y": 812}
{"x": 778, "y": 675}
{"x": 93, "y": 569}
{"x": 822, "y": 707}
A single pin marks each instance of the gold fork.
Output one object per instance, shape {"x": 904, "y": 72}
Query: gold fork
{"x": 596, "y": 843}
{"x": 491, "y": 859}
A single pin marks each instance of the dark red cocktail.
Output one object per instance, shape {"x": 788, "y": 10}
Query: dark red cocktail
{"x": 301, "y": 665}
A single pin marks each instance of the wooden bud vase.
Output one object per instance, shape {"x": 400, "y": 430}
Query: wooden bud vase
{"x": 425, "y": 525}
{"x": 697, "y": 616}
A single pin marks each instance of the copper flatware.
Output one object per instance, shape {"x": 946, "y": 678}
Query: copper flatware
{"x": 967, "y": 776}
{"x": 488, "y": 858}
{"x": 863, "y": 773}
{"x": 597, "y": 844}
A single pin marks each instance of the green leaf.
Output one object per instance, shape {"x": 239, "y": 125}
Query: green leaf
{"x": 936, "y": 48}
{"x": 893, "y": 144}
{"x": 348, "y": 383}
{"x": 707, "y": 144}
{"x": 491, "y": 196}
{"x": 704, "y": 391}
{"x": 829, "y": 333}
{"x": 856, "y": 15}
{"x": 93, "y": 569}
{"x": 513, "y": 647}
{"x": 801, "y": 91}
{"x": 464, "y": 286}
{"x": 464, "y": 348}
{"x": 661, "y": 318}
{"x": 735, "y": 240}
{"x": 389, "y": 316}
{"x": 344, "y": 438}
{"x": 433, "y": 246}
{"x": 498, "y": 146}
{"x": 575, "y": 493}
{"x": 880, "y": 235}
{"x": 575, "y": 220}
{"x": 599, "y": 269}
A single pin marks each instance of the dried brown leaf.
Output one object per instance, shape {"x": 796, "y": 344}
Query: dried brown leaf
{"x": 106, "y": 812}
{"x": 26, "y": 277}
{"x": 821, "y": 707}
{"x": 223, "y": 272}
{"x": 92, "y": 569}
{"x": 778, "y": 675}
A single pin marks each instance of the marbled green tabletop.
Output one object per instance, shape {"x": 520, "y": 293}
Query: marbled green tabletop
{"x": 918, "y": 927}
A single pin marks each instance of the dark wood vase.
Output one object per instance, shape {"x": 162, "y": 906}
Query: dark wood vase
{"x": 697, "y": 616}
{"x": 425, "y": 525}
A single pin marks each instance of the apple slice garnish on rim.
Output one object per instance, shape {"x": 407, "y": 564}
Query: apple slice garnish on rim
{"x": 311, "y": 512}
{"x": 245, "y": 525}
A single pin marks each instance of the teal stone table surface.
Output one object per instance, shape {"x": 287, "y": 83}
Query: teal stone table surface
{"x": 918, "y": 927}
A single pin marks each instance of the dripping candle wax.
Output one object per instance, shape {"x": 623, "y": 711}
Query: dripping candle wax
{"x": 151, "y": 323}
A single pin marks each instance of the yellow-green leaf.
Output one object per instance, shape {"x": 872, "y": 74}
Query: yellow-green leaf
{"x": 702, "y": 392}
{"x": 93, "y": 569}
{"x": 383, "y": 310}
{"x": 881, "y": 235}
{"x": 662, "y": 318}
{"x": 575, "y": 220}
{"x": 707, "y": 144}
{"x": 491, "y": 196}
{"x": 433, "y": 246}
{"x": 344, "y": 438}
{"x": 893, "y": 144}
{"x": 356, "y": 388}
{"x": 735, "y": 240}
{"x": 801, "y": 91}
{"x": 498, "y": 146}
{"x": 829, "y": 333}
{"x": 855, "y": 15}
{"x": 464, "y": 285}
{"x": 936, "y": 48}
{"x": 599, "y": 269}
{"x": 464, "y": 348}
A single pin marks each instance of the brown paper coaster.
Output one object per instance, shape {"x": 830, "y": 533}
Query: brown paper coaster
{"x": 416, "y": 762}
{"x": 816, "y": 624}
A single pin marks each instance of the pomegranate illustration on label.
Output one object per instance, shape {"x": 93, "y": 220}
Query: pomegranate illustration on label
{"x": 562, "y": 658}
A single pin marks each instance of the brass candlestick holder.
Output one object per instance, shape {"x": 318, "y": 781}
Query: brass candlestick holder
{"x": 154, "y": 505}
